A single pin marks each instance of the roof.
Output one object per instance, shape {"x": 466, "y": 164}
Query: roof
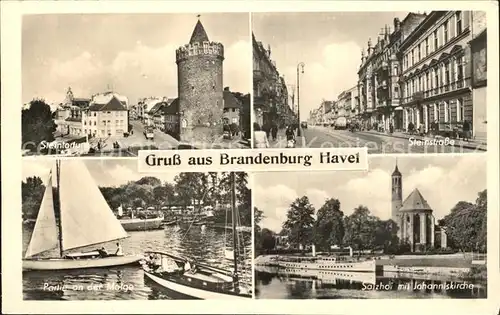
{"x": 199, "y": 35}
{"x": 415, "y": 201}
{"x": 230, "y": 101}
{"x": 396, "y": 171}
{"x": 113, "y": 105}
{"x": 150, "y": 103}
{"x": 172, "y": 108}
{"x": 105, "y": 98}
{"x": 156, "y": 108}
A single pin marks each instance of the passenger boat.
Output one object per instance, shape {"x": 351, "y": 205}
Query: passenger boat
{"x": 325, "y": 276}
{"x": 84, "y": 219}
{"x": 321, "y": 262}
{"x": 197, "y": 280}
{"x": 326, "y": 263}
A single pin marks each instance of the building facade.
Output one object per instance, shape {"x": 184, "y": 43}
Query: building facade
{"x": 414, "y": 218}
{"x": 200, "y": 87}
{"x": 270, "y": 92}
{"x": 103, "y": 120}
{"x": 479, "y": 77}
{"x": 378, "y": 76}
{"x": 435, "y": 79}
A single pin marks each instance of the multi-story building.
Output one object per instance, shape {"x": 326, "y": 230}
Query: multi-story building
{"x": 378, "y": 88}
{"x": 232, "y": 108}
{"x": 435, "y": 79}
{"x": 270, "y": 92}
{"x": 172, "y": 118}
{"x": 105, "y": 117}
{"x": 479, "y": 78}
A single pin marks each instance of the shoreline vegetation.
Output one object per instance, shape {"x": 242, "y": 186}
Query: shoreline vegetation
{"x": 187, "y": 189}
{"x": 332, "y": 232}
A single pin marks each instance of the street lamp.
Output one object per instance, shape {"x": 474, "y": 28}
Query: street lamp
{"x": 299, "y": 66}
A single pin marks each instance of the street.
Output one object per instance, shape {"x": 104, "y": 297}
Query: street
{"x": 325, "y": 137}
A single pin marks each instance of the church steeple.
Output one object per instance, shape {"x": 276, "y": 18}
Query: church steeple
{"x": 199, "y": 35}
{"x": 397, "y": 192}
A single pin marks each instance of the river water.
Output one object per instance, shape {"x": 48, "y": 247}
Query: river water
{"x": 128, "y": 283}
{"x": 271, "y": 283}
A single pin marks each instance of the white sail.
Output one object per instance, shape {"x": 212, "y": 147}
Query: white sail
{"x": 86, "y": 218}
{"x": 44, "y": 235}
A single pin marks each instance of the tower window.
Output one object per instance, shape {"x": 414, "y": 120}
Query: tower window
{"x": 192, "y": 87}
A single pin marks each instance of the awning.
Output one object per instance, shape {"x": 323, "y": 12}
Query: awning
{"x": 398, "y": 108}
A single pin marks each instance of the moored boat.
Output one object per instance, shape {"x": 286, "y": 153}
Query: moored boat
{"x": 77, "y": 225}
{"x": 197, "y": 280}
{"x": 138, "y": 224}
{"x": 326, "y": 263}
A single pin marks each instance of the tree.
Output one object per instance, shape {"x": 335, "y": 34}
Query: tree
{"x": 191, "y": 187}
{"x": 32, "y": 191}
{"x": 300, "y": 221}
{"x": 149, "y": 180}
{"x": 466, "y": 224}
{"x": 386, "y": 236}
{"x": 267, "y": 239}
{"x": 37, "y": 124}
{"x": 329, "y": 227}
{"x": 164, "y": 194}
{"x": 360, "y": 228}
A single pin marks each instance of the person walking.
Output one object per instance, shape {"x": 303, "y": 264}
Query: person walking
{"x": 259, "y": 137}
{"x": 274, "y": 131}
{"x": 466, "y": 130}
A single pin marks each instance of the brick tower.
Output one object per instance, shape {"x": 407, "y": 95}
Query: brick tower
{"x": 200, "y": 87}
{"x": 397, "y": 195}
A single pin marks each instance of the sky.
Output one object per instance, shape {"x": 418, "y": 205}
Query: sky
{"x": 329, "y": 44}
{"x": 106, "y": 172}
{"x": 134, "y": 54}
{"x": 443, "y": 181}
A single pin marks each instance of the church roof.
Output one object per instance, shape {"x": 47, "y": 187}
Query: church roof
{"x": 396, "y": 171}
{"x": 199, "y": 35}
{"x": 415, "y": 201}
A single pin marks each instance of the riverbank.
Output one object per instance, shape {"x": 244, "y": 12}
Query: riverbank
{"x": 456, "y": 265}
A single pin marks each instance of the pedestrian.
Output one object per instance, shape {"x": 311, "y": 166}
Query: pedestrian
{"x": 274, "y": 131}
{"x": 466, "y": 130}
{"x": 259, "y": 137}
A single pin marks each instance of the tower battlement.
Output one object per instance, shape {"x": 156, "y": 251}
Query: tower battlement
{"x": 197, "y": 49}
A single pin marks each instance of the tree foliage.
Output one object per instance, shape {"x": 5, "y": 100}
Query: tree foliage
{"x": 186, "y": 190}
{"x": 466, "y": 225}
{"x": 300, "y": 221}
{"x": 329, "y": 226}
{"x": 37, "y": 124}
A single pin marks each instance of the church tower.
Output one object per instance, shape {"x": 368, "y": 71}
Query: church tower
{"x": 397, "y": 194}
{"x": 200, "y": 87}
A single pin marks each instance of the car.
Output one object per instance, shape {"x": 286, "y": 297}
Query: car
{"x": 149, "y": 133}
{"x": 303, "y": 125}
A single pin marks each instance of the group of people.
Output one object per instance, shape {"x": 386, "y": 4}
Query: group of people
{"x": 103, "y": 253}
{"x": 465, "y": 132}
{"x": 262, "y": 135}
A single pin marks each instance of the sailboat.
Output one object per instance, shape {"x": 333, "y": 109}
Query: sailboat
{"x": 196, "y": 280}
{"x": 85, "y": 219}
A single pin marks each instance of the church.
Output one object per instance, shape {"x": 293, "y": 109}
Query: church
{"x": 414, "y": 217}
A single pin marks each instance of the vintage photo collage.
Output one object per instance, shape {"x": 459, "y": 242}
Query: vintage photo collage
{"x": 411, "y": 87}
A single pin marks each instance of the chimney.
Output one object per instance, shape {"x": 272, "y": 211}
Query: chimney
{"x": 226, "y": 88}
{"x": 370, "y": 48}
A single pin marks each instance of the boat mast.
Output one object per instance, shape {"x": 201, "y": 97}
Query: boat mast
{"x": 235, "y": 232}
{"x": 59, "y": 223}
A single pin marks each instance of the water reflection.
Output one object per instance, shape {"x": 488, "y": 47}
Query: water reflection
{"x": 281, "y": 283}
{"x": 129, "y": 282}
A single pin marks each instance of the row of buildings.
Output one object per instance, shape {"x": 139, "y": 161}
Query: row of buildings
{"x": 345, "y": 106}
{"x": 100, "y": 116}
{"x": 163, "y": 113}
{"x": 270, "y": 92}
{"x": 429, "y": 70}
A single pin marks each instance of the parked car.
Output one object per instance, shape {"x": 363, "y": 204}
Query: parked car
{"x": 303, "y": 125}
